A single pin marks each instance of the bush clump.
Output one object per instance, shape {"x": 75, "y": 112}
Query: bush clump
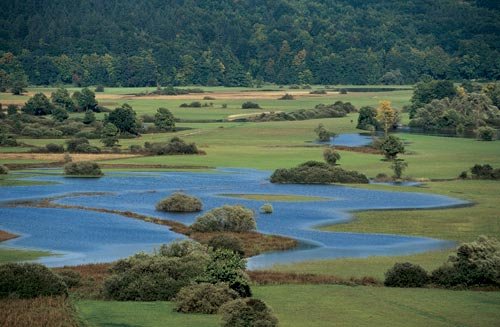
{"x": 247, "y": 313}
{"x": 287, "y": 96}
{"x": 174, "y": 146}
{"x": 267, "y": 208}
{"x": 4, "y": 170}
{"x": 70, "y": 277}
{"x": 475, "y": 263}
{"x": 226, "y": 218}
{"x": 179, "y": 202}
{"x": 29, "y": 280}
{"x": 486, "y": 133}
{"x": 203, "y": 298}
{"x": 406, "y": 275}
{"x": 250, "y": 105}
{"x": 83, "y": 168}
{"x": 227, "y": 242}
{"x": 314, "y": 172}
{"x": 485, "y": 172}
{"x": 157, "y": 277}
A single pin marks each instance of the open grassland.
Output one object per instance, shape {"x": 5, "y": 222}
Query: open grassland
{"x": 321, "y": 305}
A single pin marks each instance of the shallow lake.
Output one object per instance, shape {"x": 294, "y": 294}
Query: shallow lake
{"x": 83, "y": 236}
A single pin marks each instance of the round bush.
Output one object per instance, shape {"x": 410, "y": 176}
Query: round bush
{"x": 250, "y": 105}
{"x": 179, "y": 202}
{"x": 247, "y": 312}
{"x": 71, "y": 278}
{"x": 267, "y": 208}
{"x": 29, "y": 280}
{"x": 203, "y": 298}
{"x": 486, "y": 133}
{"x": 83, "y": 168}
{"x": 406, "y": 275}
{"x": 3, "y": 170}
{"x": 226, "y": 242}
{"x": 226, "y": 218}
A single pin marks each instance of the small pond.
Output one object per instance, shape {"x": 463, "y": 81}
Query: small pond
{"x": 83, "y": 236}
{"x": 350, "y": 140}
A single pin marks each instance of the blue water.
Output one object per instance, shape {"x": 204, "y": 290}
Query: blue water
{"x": 83, "y": 237}
{"x": 351, "y": 140}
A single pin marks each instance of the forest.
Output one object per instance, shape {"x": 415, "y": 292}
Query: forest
{"x": 244, "y": 43}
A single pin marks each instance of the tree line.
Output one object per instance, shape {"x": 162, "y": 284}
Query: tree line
{"x": 237, "y": 43}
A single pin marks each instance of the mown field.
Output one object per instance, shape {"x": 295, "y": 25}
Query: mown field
{"x": 285, "y": 144}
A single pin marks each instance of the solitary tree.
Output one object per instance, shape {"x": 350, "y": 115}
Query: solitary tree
{"x": 19, "y": 81}
{"x": 109, "y": 136}
{"x": 89, "y": 117}
{"x": 323, "y": 133}
{"x": 62, "y": 99}
{"x": 60, "y": 114}
{"x": 386, "y": 115}
{"x": 164, "y": 119}
{"x": 391, "y": 146}
{"x": 331, "y": 156}
{"x": 398, "y": 166}
{"x": 38, "y": 105}
{"x": 124, "y": 118}
{"x": 85, "y": 100}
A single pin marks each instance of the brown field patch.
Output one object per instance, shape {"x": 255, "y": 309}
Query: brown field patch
{"x": 52, "y": 157}
{"x": 38, "y": 312}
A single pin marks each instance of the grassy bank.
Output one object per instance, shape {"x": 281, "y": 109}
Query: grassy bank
{"x": 321, "y": 305}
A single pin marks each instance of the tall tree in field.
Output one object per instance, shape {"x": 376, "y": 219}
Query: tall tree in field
{"x": 124, "y": 118}
{"x": 386, "y": 115}
{"x": 109, "y": 136}
{"x": 164, "y": 119}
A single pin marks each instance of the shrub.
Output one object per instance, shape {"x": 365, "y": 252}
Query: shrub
{"x": 99, "y": 88}
{"x": 203, "y": 298}
{"x": 323, "y": 134}
{"x": 87, "y": 148}
{"x": 3, "y": 170}
{"x": 318, "y": 92}
{"x": 208, "y": 98}
{"x": 247, "y": 313}
{"x": 72, "y": 144}
{"x": 267, "y": 208}
{"x": 54, "y": 148}
{"x": 331, "y": 156}
{"x": 250, "y": 105}
{"x": 225, "y": 266}
{"x": 367, "y": 118}
{"x": 287, "y": 97}
{"x": 406, "y": 275}
{"x": 485, "y": 172}
{"x": 174, "y": 146}
{"x": 70, "y": 277}
{"x": 179, "y": 202}
{"x": 157, "y": 277}
{"x": 486, "y": 133}
{"x": 226, "y": 242}
{"x": 194, "y": 104}
{"x": 226, "y": 218}
{"x": 181, "y": 249}
{"x": 29, "y": 280}
{"x": 83, "y": 168}
{"x": 313, "y": 172}
{"x": 475, "y": 263}
{"x": 343, "y": 91}
{"x": 135, "y": 148}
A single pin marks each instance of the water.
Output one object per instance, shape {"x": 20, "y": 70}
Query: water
{"x": 82, "y": 237}
{"x": 350, "y": 140}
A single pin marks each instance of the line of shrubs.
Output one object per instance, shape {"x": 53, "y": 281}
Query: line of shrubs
{"x": 315, "y": 172}
{"x": 179, "y": 202}
{"x": 196, "y": 104}
{"x": 485, "y": 171}
{"x": 338, "y": 109}
{"x": 197, "y": 278}
{"x": 474, "y": 264}
{"x": 83, "y": 169}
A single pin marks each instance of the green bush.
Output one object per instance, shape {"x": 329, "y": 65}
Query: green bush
{"x": 179, "y": 202}
{"x": 70, "y": 277}
{"x": 486, "y": 133}
{"x": 29, "y": 280}
{"x": 247, "y": 313}
{"x": 203, "y": 298}
{"x": 226, "y": 218}
{"x": 83, "y": 168}
{"x": 331, "y": 156}
{"x": 225, "y": 266}
{"x": 267, "y": 208}
{"x": 227, "y": 242}
{"x": 3, "y": 170}
{"x": 54, "y": 148}
{"x": 250, "y": 105}
{"x": 73, "y": 143}
{"x": 174, "y": 146}
{"x": 475, "y": 263}
{"x": 391, "y": 146}
{"x": 314, "y": 172}
{"x": 184, "y": 248}
{"x": 485, "y": 172}
{"x": 406, "y": 275}
{"x": 155, "y": 277}
{"x": 286, "y": 97}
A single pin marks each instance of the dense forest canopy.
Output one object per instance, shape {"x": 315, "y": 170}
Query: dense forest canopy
{"x": 235, "y": 42}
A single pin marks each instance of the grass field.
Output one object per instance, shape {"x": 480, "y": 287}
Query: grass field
{"x": 13, "y": 255}
{"x": 321, "y": 305}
